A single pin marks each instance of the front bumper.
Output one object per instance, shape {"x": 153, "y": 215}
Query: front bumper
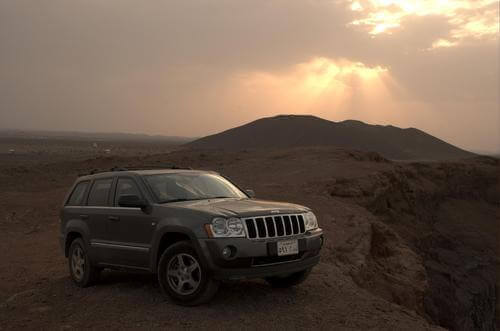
{"x": 259, "y": 258}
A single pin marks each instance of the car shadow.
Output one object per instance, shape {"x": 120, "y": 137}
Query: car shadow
{"x": 113, "y": 277}
{"x": 230, "y": 292}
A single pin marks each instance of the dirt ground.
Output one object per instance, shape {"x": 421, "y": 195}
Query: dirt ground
{"x": 358, "y": 284}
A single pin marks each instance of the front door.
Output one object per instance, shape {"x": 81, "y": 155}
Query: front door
{"x": 130, "y": 230}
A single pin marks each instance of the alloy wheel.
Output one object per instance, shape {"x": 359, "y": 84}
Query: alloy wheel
{"x": 183, "y": 274}
{"x": 78, "y": 263}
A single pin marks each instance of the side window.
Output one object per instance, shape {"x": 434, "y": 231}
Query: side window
{"x": 77, "y": 196}
{"x": 100, "y": 191}
{"x": 126, "y": 186}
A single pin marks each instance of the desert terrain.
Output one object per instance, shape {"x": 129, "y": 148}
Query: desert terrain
{"x": 409, "y": 245}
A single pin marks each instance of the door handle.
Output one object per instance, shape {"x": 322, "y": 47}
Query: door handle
{"x": 84, "y": 217}
{"x": 114, "y": 218}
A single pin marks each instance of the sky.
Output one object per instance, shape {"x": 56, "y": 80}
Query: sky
{"x": 197, "y": 67}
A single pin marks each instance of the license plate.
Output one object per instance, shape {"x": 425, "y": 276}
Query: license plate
{"x": 288, "y": 247}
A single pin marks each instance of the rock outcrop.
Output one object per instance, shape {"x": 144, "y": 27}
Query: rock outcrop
{"x": 433, "y": 247}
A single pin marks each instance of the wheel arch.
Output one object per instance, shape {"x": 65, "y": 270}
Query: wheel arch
{"x": 75, "y": 229}
{"x": 169, "y": 236}
{"x": 70, "y": 237}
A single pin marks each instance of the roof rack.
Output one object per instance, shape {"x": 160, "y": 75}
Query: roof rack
{"x": 149, "y": 167}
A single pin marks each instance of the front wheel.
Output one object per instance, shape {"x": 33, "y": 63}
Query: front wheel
{"x": 289, "y": 280}
{"x": 182, "y": 276}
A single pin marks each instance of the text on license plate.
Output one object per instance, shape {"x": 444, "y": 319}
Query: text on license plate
{"x": 288, "y": 247}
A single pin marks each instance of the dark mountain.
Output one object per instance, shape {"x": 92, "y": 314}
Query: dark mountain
{"x": 286, "y": 131}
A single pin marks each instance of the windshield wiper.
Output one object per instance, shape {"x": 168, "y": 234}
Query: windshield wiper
{"x": 220, "y": 197}
{"x": 194, "y": 199}
{"x": 181, "y": 199}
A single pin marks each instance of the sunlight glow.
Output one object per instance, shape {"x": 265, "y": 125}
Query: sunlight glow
{"x": 356, "y": 6}
{"x": 443, "y": 43}
{"x": 318, "y": 85}
{"x": 321, "y": 73}
{"x": 469, "y": 19}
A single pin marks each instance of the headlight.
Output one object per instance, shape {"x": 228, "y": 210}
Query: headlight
{"x": 224, "y": 228}
{"x": 311, "y": 222}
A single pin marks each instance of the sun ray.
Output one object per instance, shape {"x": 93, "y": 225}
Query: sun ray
{"x": 313, "y": 86}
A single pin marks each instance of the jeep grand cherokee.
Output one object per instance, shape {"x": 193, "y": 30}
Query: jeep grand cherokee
{"x": 191, "y": 228}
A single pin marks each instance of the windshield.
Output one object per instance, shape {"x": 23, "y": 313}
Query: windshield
{"x": 191, "y": 186}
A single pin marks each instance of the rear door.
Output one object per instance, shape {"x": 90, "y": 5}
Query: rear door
{"x": 74, "y": 213}
{"x": 97, "y": 211}
{"x": 130, "y": 230}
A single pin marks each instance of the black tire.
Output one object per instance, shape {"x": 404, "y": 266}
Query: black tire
{"x": 289, "y": 280}
{"x": 206, "y": 287}
{"x": 86, "y": 274}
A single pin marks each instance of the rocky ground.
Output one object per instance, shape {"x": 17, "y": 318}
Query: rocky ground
{"x": 409, "y": 246}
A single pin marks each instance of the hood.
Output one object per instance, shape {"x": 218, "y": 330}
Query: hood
{"x": 241, "y": 207}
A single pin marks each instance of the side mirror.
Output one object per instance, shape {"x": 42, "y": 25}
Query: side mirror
{"x": 132, "y": 201}
{"x": 250, "y": 193}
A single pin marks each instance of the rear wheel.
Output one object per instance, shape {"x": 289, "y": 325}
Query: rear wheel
{"x": 182, "y": 276}
{"x": 289, "y": 280}
{"x": 81, "y": 270}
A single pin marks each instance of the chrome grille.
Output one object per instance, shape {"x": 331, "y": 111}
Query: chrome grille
{"x": 275, "y": 226}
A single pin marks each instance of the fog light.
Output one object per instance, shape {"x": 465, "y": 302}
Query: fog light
{"x": 228, "y": 252}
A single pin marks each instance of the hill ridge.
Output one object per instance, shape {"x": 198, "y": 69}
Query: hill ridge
{"x": 284, "y": 131}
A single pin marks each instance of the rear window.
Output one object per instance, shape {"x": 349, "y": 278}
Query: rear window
{"x": 100, "y": 192}
{"x": 78, "y": 195}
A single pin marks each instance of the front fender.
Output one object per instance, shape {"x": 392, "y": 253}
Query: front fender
{"x": 165, "y": 230}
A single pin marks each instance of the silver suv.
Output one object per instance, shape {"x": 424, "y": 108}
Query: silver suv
{"x": 191, "y": 228}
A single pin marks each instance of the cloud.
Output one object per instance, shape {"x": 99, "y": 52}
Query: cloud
{"x": 315, "y": 86}
{"x": 468, "y": 19}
